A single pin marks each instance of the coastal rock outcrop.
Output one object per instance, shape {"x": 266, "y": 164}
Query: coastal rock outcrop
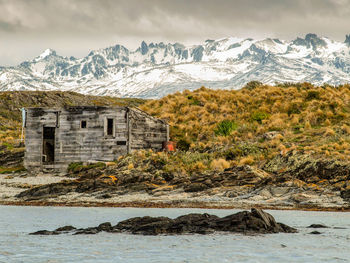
{"x": 290, "y": 180}
{"x": 310, "y": 169}
{"x": 12, "y": 158}
{"x": 113, "y": 180}
{"x": 254, "y": 222}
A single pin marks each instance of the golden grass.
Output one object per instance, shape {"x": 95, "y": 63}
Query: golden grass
{"x": 246, "y": 160}
{"x": 304, "y": 115}
{"x": 219, "y": 164}
{"x": 306, "y": 118}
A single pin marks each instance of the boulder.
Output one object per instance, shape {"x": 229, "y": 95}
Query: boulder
{"x": 345, "y": 194}
{"x": 195, "y": 187}
{"x": 315, "y": 233}
{"x": 308, "y": 168}
{"x": 65, "y": 229}
{"x": 317, "y": 226}
{"x": 45, "y": 233}
{"x": 105, "y": 227}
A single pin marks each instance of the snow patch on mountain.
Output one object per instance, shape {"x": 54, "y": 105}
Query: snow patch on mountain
{"x": 46, "y": 53}
{"x": 157, "y": 69}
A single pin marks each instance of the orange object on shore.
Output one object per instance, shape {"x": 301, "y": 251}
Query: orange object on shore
{"x": 169, "y": 146}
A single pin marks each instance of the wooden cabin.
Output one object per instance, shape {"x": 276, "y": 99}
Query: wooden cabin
{"x": 57, "y": 137}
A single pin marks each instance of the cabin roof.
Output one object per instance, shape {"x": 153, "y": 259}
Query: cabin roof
{"x": 94, "y": 108}
{"x": 87, "y": 107}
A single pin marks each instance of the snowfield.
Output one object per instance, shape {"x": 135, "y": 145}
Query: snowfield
{"x": 157, "y": 69}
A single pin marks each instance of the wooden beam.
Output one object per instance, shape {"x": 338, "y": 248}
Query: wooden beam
{"x": 167, "y": 133}
{"x": 128, "y": 123}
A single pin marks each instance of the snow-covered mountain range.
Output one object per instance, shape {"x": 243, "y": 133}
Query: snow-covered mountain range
{"x": 154, "y": 70}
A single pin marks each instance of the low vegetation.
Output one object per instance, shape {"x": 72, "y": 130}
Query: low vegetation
{"x": 257, "y": 122}
{"x": 215, "y": 129}
{"x": 7, "y": 170}
{"x": 79, "y": 166}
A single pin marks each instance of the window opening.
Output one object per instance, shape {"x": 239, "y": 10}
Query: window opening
{"x": 110, "y": 125}
{"x": 83, "y": 124}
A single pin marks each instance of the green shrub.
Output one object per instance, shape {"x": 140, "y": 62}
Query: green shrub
{"x": 183, "y": 144}
{"x": 9, "y": 146}
{"x": 250, "y": 149}
{"x": 293, "y": 109}
{"x": 95, "y": 165}
{"x": 159, "y": 161}
{"x": 73, "y": 167}
{"x": 232, "y": 153}
{"x": 296, "y": 128}
{"x": 333, "y": 106}
{"x": 259, "y": 116}
{"x": 312, "y": 95}
{"x": 225, "y": 128}
{"x": 78, "y": 166}
{"x": 7, "y": 170}
{"x": 252, "y": 85}
{"x": 194, "y": 101}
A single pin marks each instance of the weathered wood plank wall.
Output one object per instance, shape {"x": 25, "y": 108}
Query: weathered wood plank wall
{"x": 133, "y": 129}
{"x": 147, "y": 132}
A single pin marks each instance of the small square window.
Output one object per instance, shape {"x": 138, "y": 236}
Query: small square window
{"x": 83, "y": 124}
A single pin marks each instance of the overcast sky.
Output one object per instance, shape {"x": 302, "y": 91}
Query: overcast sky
{"x": 74, "y": 27}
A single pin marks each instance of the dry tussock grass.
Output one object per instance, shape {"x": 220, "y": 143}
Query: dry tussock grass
{"x": 306, "y": 115}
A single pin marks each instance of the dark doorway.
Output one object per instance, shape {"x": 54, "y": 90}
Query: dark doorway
{"x": 48, "y": 145}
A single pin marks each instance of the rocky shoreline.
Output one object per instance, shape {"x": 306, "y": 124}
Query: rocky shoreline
{"x": 292, "y": 181}
{"x": 160, "y": 204}
{"x": 254, "y": 222}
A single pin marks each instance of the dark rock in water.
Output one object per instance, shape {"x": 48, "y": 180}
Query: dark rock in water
{"x": 256, "y": 221}
{"x": 65, "y": 228}
{"x": 45, "y": 233}
{"x": 317, "y": 226}
{"x": 57, "y": 231}
{"x": 87, "y": 231}
{"x": 132, "y": 224}
{"x": 105, "y": 227}
{"x": 315, "y": 233}
{"x": 191, "y": 223}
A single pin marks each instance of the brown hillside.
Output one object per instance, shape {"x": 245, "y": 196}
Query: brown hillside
{"x": 257, "y": 122}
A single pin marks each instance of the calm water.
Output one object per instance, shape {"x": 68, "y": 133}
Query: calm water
{"x": 17, "y": 246}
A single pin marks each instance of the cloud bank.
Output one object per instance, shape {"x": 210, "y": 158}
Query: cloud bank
{"x": 73, "y": 27}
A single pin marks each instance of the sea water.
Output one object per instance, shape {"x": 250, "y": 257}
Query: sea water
{"x": 332, "y": 245}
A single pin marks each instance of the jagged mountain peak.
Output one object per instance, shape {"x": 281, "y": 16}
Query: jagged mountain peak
{"x": 47, "y": 52}
{"x": 315, "y": 41}
{"x": 311, "y": 41}
{"x": 347, "y": 40}
{"x": 157, "y": 69}
{"x": 144, "y": 48}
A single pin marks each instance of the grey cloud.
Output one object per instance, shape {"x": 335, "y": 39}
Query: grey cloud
{"x": 69, "y": 25}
